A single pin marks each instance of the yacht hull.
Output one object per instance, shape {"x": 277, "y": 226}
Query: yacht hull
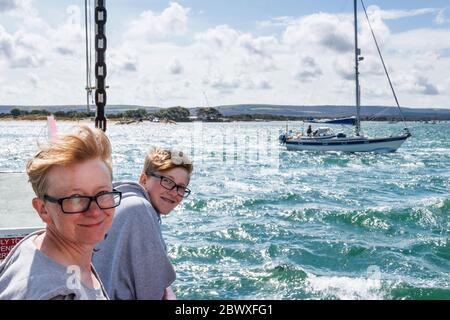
{"x": 390, "y": 144}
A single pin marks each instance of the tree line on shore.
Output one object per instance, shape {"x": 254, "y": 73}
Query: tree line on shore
{"x": 177, "y": 114}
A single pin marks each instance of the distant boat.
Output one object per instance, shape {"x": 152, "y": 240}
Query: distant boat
{"x": 324, "y": 138}
{"x": 347, "y": 121}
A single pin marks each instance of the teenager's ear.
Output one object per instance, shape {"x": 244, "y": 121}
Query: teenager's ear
{"x": 39, "y": 206}
{"x": 143, "y": 179}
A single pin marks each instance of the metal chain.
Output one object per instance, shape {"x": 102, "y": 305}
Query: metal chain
{"x": 100, "y": 65}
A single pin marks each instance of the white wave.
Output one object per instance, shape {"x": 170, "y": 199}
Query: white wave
{"x": 345, "y": 288}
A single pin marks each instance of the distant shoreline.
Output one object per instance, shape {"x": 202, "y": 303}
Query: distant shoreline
{"x": 231, "y": 113}
{"x": 131, "y": 121}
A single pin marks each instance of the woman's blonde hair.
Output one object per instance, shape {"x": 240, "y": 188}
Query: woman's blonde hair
{"x": 159, "y": 159}
{"x": 64, "y": 150}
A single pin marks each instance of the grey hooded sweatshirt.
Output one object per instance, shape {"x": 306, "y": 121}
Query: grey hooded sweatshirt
{"x": 132, "y": 261}
{"x": 28, "y": 274}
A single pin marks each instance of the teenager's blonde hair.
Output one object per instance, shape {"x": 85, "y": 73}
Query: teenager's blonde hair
{"x": 159, "y": 159}
{"x": 64, "y": 150}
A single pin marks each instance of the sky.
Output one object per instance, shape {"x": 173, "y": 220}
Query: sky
{"x": 197, "y": 53}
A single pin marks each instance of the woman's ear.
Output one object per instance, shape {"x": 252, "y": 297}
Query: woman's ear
{"x": 143, "y": 179}
{"x": 39, "y": 206}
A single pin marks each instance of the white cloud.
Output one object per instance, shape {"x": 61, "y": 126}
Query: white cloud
{"x": 34, "y": 42}
{"x": 34, "y": 80}
{"x": 67, "y": 39}
{"x": 426, "y": 87}
{"x": 260, "y": 46}
{"x": 6, "y": 43}
{"x": 429, "y": 39}
{"x": 15, "y": 6}
{"x": 308, "y": 70}
{"x": 20, "y": 50}
{"x": 8, "y": 5}
{"x": 171, "y": 22}
{"x": 121, "y": 61}
{"x": 221, "y": 37}
{"x": 374, "y": 10}
{"x": 223, "y": 84}
{"x": 371, "y": 65}
{"x": 323, "y": 29}
{"x": 276, "y": 22}
{"x": 287, "y": 60}
{"x": 176, "y": 67}
{"x": 25, "y": 14}
{"x": 238, "y": 51}
{"x": 344, "y": 69}
{"x": 254, "y": 82}
{"x": 417, "y": 84}
{"x": 441, "y": 17}
{"x": 263, "y": 84}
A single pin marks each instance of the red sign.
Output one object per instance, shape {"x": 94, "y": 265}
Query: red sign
{"x": 6, "y": 245}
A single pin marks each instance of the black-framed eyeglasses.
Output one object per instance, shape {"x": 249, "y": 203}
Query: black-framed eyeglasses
{"x": 79, "y": 204}
{"x": 169, "y": 184}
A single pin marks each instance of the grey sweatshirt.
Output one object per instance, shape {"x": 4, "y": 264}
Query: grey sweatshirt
{"x": 28, "y": 274}
{"x": 132, "y": 261}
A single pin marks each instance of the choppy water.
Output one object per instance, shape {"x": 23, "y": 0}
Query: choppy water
{"x": 264, "y": 223}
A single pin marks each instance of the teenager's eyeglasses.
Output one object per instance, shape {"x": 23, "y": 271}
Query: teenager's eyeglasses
{"x": 79, "y": 204}
{"x": 169, "y": 184}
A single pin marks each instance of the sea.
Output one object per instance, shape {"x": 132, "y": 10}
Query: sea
{"x": 266, "y": 223}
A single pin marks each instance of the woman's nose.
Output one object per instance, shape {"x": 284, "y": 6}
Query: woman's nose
{"x": 94, "y": 210}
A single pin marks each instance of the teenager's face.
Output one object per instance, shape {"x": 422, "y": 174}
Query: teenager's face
{"x": 158, "y": 184}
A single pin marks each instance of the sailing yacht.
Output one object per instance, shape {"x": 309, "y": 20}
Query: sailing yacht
{"x": 324, "y": 139}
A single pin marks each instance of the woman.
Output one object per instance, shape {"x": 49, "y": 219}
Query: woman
{"x": 72, "y": 180}
{"x": 132, "y": 261}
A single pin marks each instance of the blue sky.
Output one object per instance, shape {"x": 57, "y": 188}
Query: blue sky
{"x": 256, "y": 51}
{"x": 244, "y": 14}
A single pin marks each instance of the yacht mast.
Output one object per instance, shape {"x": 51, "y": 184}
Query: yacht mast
{"x": 357, "y": 58}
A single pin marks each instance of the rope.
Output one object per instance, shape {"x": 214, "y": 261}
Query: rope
{"x": 377, "y": 114}
{"x": 384, "y": 66}
{"x": 90, "y": 50}
{"x": 88, "y": 30}
{"x": 87, "y": 54}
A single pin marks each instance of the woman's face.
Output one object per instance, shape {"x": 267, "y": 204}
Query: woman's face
{"x": 164, "y": 200}
{"x": 88, "y": 178}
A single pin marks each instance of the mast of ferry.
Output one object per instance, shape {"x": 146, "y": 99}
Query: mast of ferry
{"x": 357, "y": 59}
